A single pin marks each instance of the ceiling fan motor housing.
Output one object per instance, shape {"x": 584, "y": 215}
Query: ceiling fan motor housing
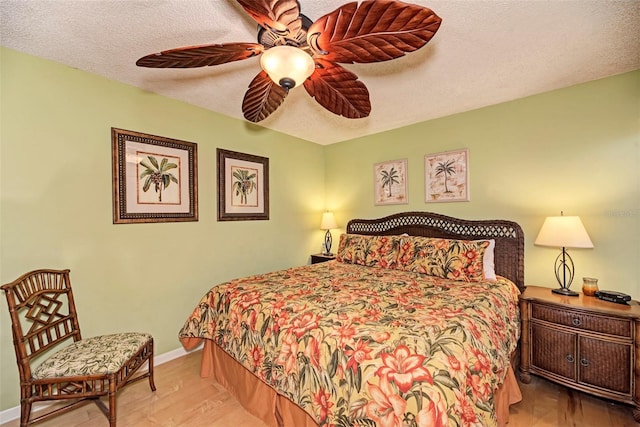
{"x": 269, "y": 37}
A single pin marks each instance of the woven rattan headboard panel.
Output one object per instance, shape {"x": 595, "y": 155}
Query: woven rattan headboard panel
{"x": 509, "y": 251}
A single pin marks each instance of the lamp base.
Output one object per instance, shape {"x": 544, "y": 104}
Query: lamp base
{"x": 565, "y": 291}
{"x": 327, "y": 243}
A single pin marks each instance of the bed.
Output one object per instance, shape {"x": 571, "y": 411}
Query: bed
{"x": 415, "y": 323}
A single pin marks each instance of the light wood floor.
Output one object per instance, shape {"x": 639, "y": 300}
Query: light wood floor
{"x": 184, "y": 399}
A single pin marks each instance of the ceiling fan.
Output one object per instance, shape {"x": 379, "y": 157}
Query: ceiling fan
{"x": 297, "y": 51}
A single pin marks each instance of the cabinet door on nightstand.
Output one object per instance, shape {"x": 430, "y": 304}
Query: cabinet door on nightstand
{"x": 553, "y": 350}
{"x": 605, "y": 364}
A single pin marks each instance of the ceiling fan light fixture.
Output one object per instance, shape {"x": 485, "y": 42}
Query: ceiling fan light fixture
{"x": 287, "y": 66}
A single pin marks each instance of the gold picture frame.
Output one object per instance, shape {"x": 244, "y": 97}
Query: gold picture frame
{"x": 447, "y": 176}
{"x": 155, "y": 179}
{"x": 243, "y": 186}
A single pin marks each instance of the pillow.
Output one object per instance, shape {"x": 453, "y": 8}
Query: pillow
{"x": 488, "y": 263}
{"x": 461, "y": 260}
{"x": 371, "y": 251}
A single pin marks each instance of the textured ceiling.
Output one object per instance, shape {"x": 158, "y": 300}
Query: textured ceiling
{"x": 486, "y": 52}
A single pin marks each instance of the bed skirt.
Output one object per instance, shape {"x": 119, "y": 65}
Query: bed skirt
{"x": 262, "y": 401}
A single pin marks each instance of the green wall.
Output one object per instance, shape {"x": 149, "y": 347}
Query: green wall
{"x": 575, "y": 150}
{"x": 56, "y": 208}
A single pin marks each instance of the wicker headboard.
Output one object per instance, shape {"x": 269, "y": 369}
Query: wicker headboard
{"x": 509, "y": 250}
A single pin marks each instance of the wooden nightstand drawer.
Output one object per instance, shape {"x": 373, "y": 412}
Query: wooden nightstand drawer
{"x": 588, "y": 322}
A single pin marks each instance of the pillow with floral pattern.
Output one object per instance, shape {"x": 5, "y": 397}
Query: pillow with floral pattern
{"x": 446, "y": 258}
{"x": 370, "y": 251}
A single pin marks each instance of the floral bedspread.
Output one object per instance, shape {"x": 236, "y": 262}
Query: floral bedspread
{"x": 364, "y": 346}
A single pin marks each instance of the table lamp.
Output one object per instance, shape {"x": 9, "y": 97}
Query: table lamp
{"x": 563, "y": 232}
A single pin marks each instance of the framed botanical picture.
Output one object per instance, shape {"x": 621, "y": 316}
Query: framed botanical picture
{"x": 243, "y": 186}
{"x": 390, "y": 182}
{"x": 447, "y": 176}
{"x": 155, "y": 179}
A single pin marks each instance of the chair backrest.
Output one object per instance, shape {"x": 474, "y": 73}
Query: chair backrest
{"x": 43, "y": 314}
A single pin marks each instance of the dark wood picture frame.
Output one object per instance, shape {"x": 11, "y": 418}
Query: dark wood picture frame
{"x": 243, "y": 186}
{"x": 146, "y": 169}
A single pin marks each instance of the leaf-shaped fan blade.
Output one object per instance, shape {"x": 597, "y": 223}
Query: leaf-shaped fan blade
{"x": 373, "y": 31}
{"x": 338, "y": 90}
{"x": 263, "y": 98}
{"x": 276, "y": 15}
{"x": 201, "y": 56}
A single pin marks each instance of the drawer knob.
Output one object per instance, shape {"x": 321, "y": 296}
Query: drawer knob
{"x": 576, "y": 321}
{"x": 584, "y": 362}
{"x": 570, "y": 358}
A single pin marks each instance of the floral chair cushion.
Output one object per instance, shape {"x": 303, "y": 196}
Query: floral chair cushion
{"x": 100, "y": 355}
{"x": 446, "y": 258}
{"x": 370, "y": 251}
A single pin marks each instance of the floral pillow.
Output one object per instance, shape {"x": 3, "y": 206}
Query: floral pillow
{"x": 461, "y": 260}
{"x": 371, "y": 251}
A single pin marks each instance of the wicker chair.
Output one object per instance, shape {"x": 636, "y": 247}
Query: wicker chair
{"x": 43, "y": 316}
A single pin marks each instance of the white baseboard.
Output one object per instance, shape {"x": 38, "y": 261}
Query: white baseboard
{"x": 13, "y": 413}
{"x": 173, "y": 354}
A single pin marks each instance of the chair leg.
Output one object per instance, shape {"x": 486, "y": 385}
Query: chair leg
{"x": 112, "y": 402}
{"x": 25, "y": 412}
{"x": 151, "y": 383}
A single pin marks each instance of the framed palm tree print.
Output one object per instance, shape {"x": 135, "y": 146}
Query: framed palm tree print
{"x": 155, "y": 179}
{"x": 447, "y": 176}
{"x": 390, "y": 182}
{"x": 243, "y": 186}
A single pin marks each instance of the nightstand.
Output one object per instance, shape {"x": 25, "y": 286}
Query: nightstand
{"x": 317, "y": 258}
{"x": 583, "y": 343}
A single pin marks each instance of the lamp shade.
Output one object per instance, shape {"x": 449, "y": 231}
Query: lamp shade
{"x": 287, "y": 66}
{"x": 563, "y": 232}
{"x": 328, "y": 221}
